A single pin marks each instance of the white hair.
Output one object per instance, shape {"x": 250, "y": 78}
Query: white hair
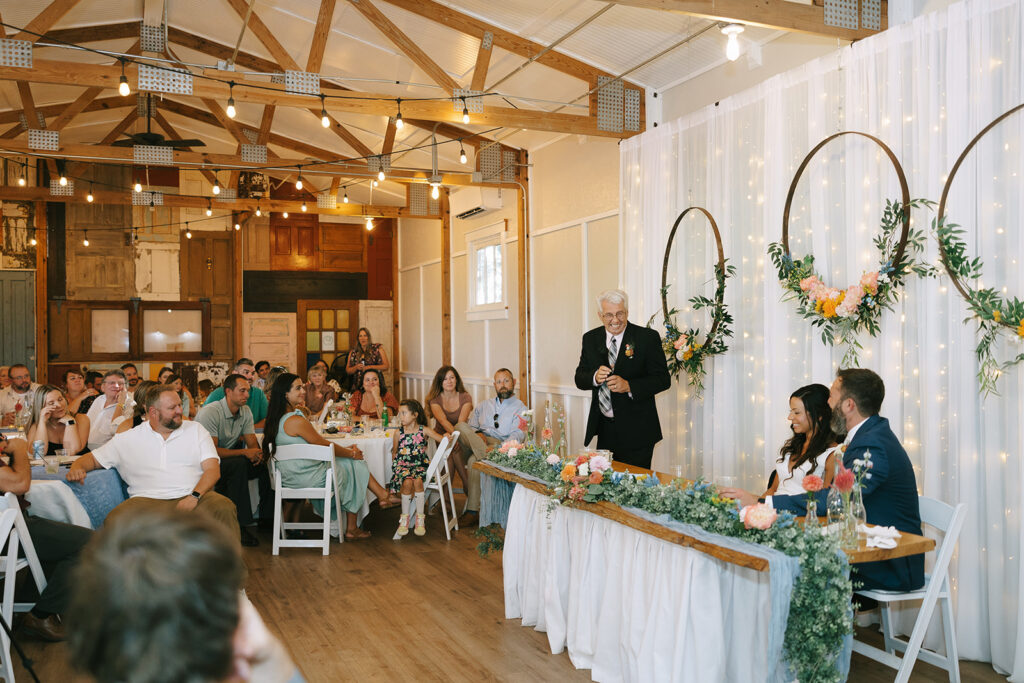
{"x": 613, "y": 296}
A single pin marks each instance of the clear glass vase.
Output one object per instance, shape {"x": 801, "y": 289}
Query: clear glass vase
{"x": 858, "y": 514}
{"x": 811, "y": 515}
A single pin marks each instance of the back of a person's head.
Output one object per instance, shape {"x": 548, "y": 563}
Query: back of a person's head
{"x": 156, "y": 600}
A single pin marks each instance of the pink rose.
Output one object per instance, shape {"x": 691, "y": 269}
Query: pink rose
{"x": 759, "y": 516}
{"x": 844, "y": 480}
{"x": 812, "y": 483}
{"x": 679, "y": 343}
{"x": 552, "y": 459}
{"x": 869, "y": 281}
{"x": 546, "y": 433}
{"x": 599, "y": 463}
{"x": 581, "y": 459}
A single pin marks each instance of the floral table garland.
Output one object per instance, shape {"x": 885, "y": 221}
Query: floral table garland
{"x": 819, "y": 613}
{"x": 994, "y": 314}
{"x": 843, "y": 313}
{"x": 683, "y": 350}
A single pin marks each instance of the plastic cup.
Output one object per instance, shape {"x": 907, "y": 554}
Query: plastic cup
{"x": 51, "y": 463}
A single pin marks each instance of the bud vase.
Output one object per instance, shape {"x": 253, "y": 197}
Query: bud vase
{"x": 811, "y": 516}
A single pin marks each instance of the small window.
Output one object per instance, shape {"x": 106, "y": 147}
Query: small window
{"x": 486, "y": 268}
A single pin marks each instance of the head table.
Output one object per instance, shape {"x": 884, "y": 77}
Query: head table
{"x": 635, "y": 597}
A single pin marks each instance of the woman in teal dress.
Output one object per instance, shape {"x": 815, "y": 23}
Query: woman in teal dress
{"x": 285, "y": 425}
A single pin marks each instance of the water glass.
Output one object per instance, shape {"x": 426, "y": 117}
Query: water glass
{"x": 51, "y": 463}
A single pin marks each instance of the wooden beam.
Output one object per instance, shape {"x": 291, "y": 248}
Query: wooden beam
{"x": 172, "y": 133}
{"x": 446, "y": 278}
{"x": 320, "y": 33}
{"x": 265, "y": 123}
{"x": 45, "y": 20}
{"x": 124, "y": 197}
{"x": 775, "y": 14}
{"x": 523, "y": 275}
{"x": 389, "y": 138}
{"x": 153, "y": 12}
{"x": 265, "y": 36}
{"x": 379, "y": 104}
{"x": 42, "y": 301}
{"x": 406, "y": 45}
{"x": 345, "y": 134}
{"x": 51, "y": 110}
{"x": 452, "y": 132}
{"x": 28, "y": 104}
{"x": 121, "y": 127}
{"x": 92, "y": 34}
{"x": 483, "y": 60}
{"x": 226, "y": 123}
{"x": 74, "y": 109}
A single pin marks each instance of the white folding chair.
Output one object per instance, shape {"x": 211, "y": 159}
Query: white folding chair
{"x": 322, "y": 417}
{"x": 950, "y": 521}
{"x": 439, "y": 479}
{"x": 326, "y": 492}
{"x": 14, "y": 535}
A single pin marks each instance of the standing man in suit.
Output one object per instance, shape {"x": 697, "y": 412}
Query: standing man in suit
{"x": 890, "y": 494}
{"x": 624, "y": 367}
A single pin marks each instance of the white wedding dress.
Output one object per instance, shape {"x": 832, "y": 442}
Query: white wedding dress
{"x": 790, "y": 482}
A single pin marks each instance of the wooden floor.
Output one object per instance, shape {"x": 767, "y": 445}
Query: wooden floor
{"x": 420, "y": 608}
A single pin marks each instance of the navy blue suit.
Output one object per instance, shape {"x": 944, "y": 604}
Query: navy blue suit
{"x": 890, "y": 498}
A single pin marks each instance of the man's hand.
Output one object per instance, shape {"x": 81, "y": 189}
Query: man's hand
{"x": 602, "y": 374}
{"x": 618, "y": 384}
{"x": 7, "y": 420}
{"x": 76, "y": 474}
{"x": 255, "y": 455}
{"x": 743, "y": 498}
{"x": 187, "y": 504}
{"x": 356, "y": 454}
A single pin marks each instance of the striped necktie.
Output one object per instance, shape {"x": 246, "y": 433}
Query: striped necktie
{"x": 604, "y": 394}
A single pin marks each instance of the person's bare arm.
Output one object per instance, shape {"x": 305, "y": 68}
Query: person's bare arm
{"x": 16, "y": 478}
{"x": 301, "y": 427}
{"x": 432, "y": 434}
{"x": 251, "y": 451}
{"x": 384, "y": 364}
{"x": 350, "y": 364}
{"x": 86, "y": 463}
{"x": 211, "y": 473}
{"x": 830, "y": 469}
{"x": 74, "y": 436}
{"x": 467, "y": 410}
{"x": 442, "y": 419}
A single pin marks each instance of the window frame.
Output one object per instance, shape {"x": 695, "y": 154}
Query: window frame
{"x": 495, "y": 234}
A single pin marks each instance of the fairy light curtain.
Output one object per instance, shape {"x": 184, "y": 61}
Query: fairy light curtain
{"x": 926, "y": 88}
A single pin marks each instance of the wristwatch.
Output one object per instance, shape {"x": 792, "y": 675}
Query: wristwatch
{"x": 196, "y": 495}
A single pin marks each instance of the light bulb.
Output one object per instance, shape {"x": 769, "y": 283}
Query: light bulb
{"x": 237, "y": 226}
{"x": 258, "y": 212}
{"x": 63, "y": 180}
{"x": 435, "y": 191}
{"x": 230, "y": 111}
{"x": 138, "y": 187}
{"x": 303, "y": 207}
{"x": 33, "y": 242}
{"x": 89, "y": 198}
{"x": 732, "y": 46}
{"x": 298, "y": 183}
{"x": 465, "y": 115}
{"x": 209, "y": 211}
{"x": 346, "y": 198}
{"x": 188, "y": 234}
{"x": 369, "y": 223}
{"x": 380, "y": 175}
{"x": 216, "y": 187}
{"x": 123, "y": 87}
{"x": 462, "y": 155}
{"x": 21, "y": 181}
{"x": 325, "y": 120}
{"x": 284, "y": 215}
{"x": 85, "y": 242}
{"x": 375, "y": 183}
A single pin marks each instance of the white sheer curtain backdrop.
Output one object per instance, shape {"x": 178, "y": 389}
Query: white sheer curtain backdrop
{"x": 925, "y": 88}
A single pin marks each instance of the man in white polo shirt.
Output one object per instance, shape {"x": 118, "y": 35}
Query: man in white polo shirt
{"x": 165, "y": 462}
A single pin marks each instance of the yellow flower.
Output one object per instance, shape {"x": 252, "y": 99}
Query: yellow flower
{"x": 568, "y": 472}
{"x": 687, "y": 355}
{"x": 1020, "y": 329}
{"x": 997, "y": 315}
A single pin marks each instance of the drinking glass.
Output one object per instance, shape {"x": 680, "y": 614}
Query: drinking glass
{"x": 51, "y": 464}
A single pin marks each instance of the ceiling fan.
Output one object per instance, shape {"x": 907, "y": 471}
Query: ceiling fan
{"x": 154, "y": 139}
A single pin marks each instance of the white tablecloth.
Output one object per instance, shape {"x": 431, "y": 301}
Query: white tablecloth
{"x": 52, "y": 499}
{"x": 630, "y": 606}
{"x": 377, "y": 453}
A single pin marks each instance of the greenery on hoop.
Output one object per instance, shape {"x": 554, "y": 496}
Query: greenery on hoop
{"x": 842, "y": 314}
{"x": 993, "y": 313}
{"x": 683, "y": 350}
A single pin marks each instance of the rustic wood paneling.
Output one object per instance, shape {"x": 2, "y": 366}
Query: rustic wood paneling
{"x": 380, "y": 251}
{"x": 342, "y": 247}
{"x": 207, "y": 271}
{"x": 256, "y": 240}
{"x": 293, "y": 242}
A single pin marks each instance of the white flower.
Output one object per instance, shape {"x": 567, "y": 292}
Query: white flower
{"x": 553, "y": 459}
{"x": 858, "y": 462}
{"x": 679, "y": 354}
{"x": 527, "y": 414}
{"x": 583, "y": 470}
{"x": 512, "y": 452}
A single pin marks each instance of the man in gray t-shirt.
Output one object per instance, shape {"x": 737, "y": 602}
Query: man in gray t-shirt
{"x": 230, "y": 424}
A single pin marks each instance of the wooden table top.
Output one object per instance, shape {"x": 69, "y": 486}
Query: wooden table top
{"x": 907, "y": 544}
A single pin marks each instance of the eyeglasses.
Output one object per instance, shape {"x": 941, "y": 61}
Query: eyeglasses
{"x": 495, "y": 420}
{"x": 621, "y": 315}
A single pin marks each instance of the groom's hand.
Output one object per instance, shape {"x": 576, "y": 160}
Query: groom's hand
{"x": 618, "y": 384}
{"x": 602, "y": 374}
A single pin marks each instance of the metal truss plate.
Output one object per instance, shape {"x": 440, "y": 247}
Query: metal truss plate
{"x": 153, "y": 155}
{"x": 631, "y": 109}
{"x": 841, "y": 13}
{"x": 254, "y": 154}
{"x": 326, "y": 200}
{"x": 302, "y": 82}
{"x": 474, "y": 103}
{"x": 609, "y": 103}
{"x": 147, "y": 198}
{"x": 871, "y": 14}
{"x": 17, "y": 53}
{"x": 152, "y": 38}
{"x": 165, "y": 79}
{"x": 58, "y": 190}
{"x": 44, "y": 139}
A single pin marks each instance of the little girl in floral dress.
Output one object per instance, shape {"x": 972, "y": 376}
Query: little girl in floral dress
{"x": 410, "y": 462}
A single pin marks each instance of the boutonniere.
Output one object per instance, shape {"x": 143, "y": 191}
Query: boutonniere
{"x": 629, "y": 350}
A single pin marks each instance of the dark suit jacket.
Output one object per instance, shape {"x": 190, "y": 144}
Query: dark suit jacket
{"x": 641, "y": 362}
{"x": 890, "y": 499}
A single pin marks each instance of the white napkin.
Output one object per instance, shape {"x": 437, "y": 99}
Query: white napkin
{"x": 879, "y": 536}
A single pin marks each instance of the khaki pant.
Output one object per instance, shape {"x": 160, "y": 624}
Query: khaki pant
{"x": 212, "y": 504}
{"x": 478, "y": 445}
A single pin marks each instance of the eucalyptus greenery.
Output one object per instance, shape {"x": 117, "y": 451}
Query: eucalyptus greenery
{"x": 493, "y": 539}
{"x": 843, "y": 329}
{"x": 690, "y": 355}
{"x": 994, "y": 314}
{"x": 819, "y": 612}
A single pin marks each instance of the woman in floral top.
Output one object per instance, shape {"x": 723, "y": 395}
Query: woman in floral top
{"x": 365, "y": 356}
{"x": 410, "y": 462}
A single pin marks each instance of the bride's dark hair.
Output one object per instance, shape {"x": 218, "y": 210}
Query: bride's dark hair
{"x": 819, "y": 414}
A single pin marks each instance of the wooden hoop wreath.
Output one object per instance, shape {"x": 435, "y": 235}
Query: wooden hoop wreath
{"x": 719, "y": 300}
{"x": 904, "y": 191}
{"x": 960, "y": 287}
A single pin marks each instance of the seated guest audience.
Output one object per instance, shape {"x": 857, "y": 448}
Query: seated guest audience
{"x": 108, "y": 411}
{"x": 54, "y": 425}
{"x": 5, "y": 378}
{"x": 188, "y": 406}
{"x": 890, "y": 494}
{"x": 374, "y": 398}
{"x": 229, "y": 422}
{"x": 166, "y": 463}
{"x": 158, "y": 598}
{"x": 76, "y": 391}
{"x": 365, "y": 356}
{"x": 410, "y": 460}
{"x": 450, "y": 404}
{"x": 56, "y": 544}
{"x": 813, "y": 446}
{"x": 318, "y": 391}
{"x": 494, "y": 421}
{"x": 165, "y": 372}
{"x": 93, "y": 380}
{"x": 257, "y": 399}
{"x": 286, "y": 426}
{"x": 262, "y": 368}
{"x": 142, "y": 389}
{"x": 131, "y": 375}
{"x": 18, "y": 396}
{"x": 205, "y": 387}
{"x": 327, "y": 374}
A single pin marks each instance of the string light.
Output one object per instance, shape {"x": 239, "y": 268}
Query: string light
{"x": 33, "y": 241}
{"x": 435, "y": 190}
{"x": 238, "y": 226}
{"x": 209, "y": 208}
{"x": 298, "y": 183}
{"x": 465, "y": 111}
{"x": 89, "y": 196}
{"x": 216, "y": 183}
{"x": 732, "y": 46}
{"x": 258, "y": 212}
{"x": 462, "y": 154}
{"x": 138, "y": 186}
{"x": 188, "y": 233}
{"x": 21, "y": 177}
{"x": 346, "y": 195}
{"x": 123, "y": 86}
{"x": 325, "y": 120}
{"x": 303, "y": 207}
{"x": 284, "y": 215}
{"x": 230, "y": 109}
{"x": 85, "y": 240}
{"x": 398, "y": 119}
{"x": 63, "y": 180}
{"x": 369, "y": 223}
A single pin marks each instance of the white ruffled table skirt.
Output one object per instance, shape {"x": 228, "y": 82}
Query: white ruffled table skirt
{"x": 630, "y": 606}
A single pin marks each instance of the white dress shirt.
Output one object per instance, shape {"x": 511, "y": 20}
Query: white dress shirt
{"x": 102, "y": 423}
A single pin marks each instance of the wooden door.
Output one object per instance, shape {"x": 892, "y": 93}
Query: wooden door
{"x": 380, "y": 242}
{"x": 207, "y": 267}
{"x": 293, "y": 242}
{"x": 18, "y": 331}
{"x": 325, "y": 330}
